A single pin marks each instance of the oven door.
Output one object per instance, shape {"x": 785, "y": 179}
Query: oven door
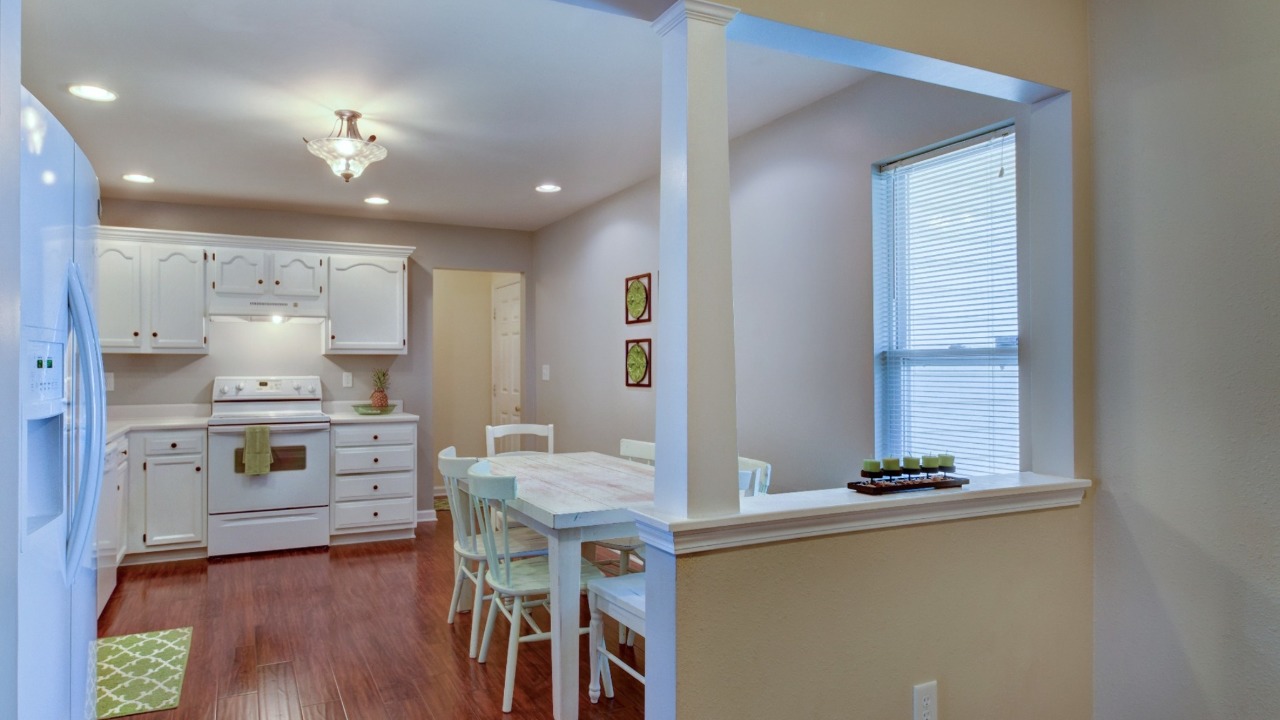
{"x": 299, "y": 475}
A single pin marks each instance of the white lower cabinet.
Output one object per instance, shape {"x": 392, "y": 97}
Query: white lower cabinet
{"x": 374, "y": 484}
{"x": 168, "y": 503}
{"x": 110, "y": 540}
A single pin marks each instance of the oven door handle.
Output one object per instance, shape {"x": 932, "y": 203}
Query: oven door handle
{"x": 239, "y": 429}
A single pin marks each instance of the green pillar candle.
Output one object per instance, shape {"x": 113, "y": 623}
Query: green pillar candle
{"x": 890, "y": 463}
{"x": 929, "y": 462}
{"x": 871, "y": 465}
{"x": 946, "y": 460}
{"x": 910, "y": 463}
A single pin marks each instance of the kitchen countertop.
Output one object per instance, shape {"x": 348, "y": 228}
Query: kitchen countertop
{"x": 128, "y": 418}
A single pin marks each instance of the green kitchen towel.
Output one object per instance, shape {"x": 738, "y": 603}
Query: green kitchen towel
{"x": 257, "y": 450}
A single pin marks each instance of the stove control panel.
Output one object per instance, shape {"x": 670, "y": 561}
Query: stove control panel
{"x": 301, "y": 387}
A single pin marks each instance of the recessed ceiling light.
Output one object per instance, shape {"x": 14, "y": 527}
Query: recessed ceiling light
{"x": 136, "y": 178}
{"x": 92, "y": 92}
{"x": 375, "y": 200}
{"x": 548, "y": 188}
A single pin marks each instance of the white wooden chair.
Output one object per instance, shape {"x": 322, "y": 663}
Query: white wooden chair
{"x": 495, "y": 432}
{"x": 621, "y": 598}
{"x": 760, "y": 482}
{"x": 518, "y": 584}
{"x": 638, "y": 451}
{"x": 468, "y": 549}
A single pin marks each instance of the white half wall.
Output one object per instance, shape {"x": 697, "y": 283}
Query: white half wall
{"x": 801, "y": 220}
{"x": 1187, "y": 560}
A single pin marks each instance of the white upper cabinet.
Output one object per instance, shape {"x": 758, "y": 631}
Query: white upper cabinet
{"x": 120, "y": 318}
{"x": 151, "y": 297}
{"x": 267, "y": 282}
{"x": 368, "y": 300}
{"x": 158, "y": 289}
{"x": 177, "y": 298}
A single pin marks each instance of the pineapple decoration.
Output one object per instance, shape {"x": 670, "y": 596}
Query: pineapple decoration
{"x": 380, "y": 381}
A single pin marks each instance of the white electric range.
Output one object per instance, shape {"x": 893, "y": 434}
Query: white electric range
{"x": 288, "y": 506}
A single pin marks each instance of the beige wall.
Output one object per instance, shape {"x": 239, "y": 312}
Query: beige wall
{"x": 997, "y": 610}
{"x": 262, "y": 347}
{"x": 462, "y": 351}
{"x": 1188, "y": 509}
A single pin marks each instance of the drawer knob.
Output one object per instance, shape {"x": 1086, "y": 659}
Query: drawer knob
{"x": 375, "y": 460}
{"x": 375, "y": 437}
{"x": 173, "y": 445}
{"x": 124, "y": 452}
{"x": 277, "y": 282}
{"x": 136, "y": 333}
{"x": 155, "y": 334}
{"x": 375, "y": 487}
{"x": 259, "y": 281}
{"x": 197, "y": 468}
{"x": 375, "y": 513}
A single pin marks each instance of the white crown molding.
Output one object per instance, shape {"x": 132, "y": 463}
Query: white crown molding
{"x": 211, "y": 240}
{"x": 700, "y": 10}
{"x": 793, "y": 516}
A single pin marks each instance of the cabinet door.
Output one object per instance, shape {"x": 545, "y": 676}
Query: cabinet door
{"x": 120, "y": 320}
{"x": 175, "y": 509}
{"x": 299, "y": 279}
{"x": 177, "y": 298}
{"x": 238, "y": 272}
{"x": 367, "y": 302}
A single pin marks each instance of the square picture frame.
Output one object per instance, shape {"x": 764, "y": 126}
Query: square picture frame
{"x": 637, "y": 298}
{"x": 638, "y": 363}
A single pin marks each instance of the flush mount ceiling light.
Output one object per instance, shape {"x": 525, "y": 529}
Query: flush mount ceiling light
{"x": 375, "y": 200}
{"x": 138, "y": 178}
{"x": 92, "y": 92}
{"x": 346, "y": 152}
{"x": 548, "y": 188}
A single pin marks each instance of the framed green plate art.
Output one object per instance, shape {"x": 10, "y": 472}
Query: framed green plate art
{"x": 639, "y": 361}
{"x": 639, "y": 298}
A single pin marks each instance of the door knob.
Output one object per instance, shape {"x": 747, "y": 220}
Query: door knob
{"x": 517, "y": 408}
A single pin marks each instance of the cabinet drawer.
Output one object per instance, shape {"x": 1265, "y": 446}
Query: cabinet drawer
{"x": 375, "y": 434}
{"x": 185, "y": 444}
{"x": 364, "y": 513}
{"x": 378, "y": 459}
{"x": 371, "y": 487}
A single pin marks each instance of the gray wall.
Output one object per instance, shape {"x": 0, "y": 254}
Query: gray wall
{"x": 801, "y": 219}
{"x": 1187, "y": 566}
{"x": 258, "y": 348}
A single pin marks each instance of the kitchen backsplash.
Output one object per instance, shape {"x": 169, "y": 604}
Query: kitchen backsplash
{"x": 243, "y": 348}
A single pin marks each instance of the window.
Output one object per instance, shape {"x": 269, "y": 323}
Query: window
{"x": 947, "y": 304}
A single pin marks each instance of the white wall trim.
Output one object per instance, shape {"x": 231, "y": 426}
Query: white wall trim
{"x": 427, "y": 515}
{"x": 207, "y": 240}
{"x": 792, "y": 516}
{"x": 693, "y": 10}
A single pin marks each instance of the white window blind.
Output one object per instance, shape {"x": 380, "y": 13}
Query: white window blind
{"x": 947, "y": 305}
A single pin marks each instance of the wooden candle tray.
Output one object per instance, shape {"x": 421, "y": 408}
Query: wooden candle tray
{"x": 884, "y": 487}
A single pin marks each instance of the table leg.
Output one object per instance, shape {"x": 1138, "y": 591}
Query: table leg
{"x": 565, "y": 556}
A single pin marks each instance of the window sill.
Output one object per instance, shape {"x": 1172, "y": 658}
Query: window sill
{"x": 790, "y": 516}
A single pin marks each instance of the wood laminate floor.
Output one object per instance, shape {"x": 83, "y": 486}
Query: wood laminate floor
{"x": 355, "y": 632}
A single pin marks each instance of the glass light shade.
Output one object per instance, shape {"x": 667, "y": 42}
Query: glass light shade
{"x": 347, "y": 153}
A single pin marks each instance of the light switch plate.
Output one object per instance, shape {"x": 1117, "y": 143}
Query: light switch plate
{"x": 110, "y": 381}
{"x": 346, "y": 379}
{"x": 546, "y": 372}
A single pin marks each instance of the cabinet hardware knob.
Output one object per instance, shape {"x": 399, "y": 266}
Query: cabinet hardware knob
{"x": 375, "y": 513}
{"x": 155, "y": 334}
{"x": 124, "y": 452}
{"x": 333, "y": 337}
{"x": 117, "y": 488}
{"x": 375, "y": 460}
{"x": 136, "y": 333}
{"x": 277, "y": 282}
{"x": 375, "y": 437}
{"x": 173, "y": 445}
{"x": 375, "y": 487}
{"x": 197, "y": 468}
{"x": 259, "y": 281}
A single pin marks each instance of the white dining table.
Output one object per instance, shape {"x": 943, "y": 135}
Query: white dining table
{"x": 573, "y": 498}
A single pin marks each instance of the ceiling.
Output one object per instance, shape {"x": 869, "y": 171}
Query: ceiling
{"x": 477, "y": 101}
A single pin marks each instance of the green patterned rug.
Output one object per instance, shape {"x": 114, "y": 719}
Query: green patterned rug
{"x": 141, "y": 673}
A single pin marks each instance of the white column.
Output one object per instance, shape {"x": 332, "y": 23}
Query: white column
{"x": 696, "y": 425}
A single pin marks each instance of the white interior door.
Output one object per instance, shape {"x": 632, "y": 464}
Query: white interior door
{"x": 506, "y": 359}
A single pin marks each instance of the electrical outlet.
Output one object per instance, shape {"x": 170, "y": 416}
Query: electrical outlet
{"x": 110, "y": 381}
{"x": 346, "y": 379}
{"x": 925, "y": 696}
{"x": 546, "y": 372}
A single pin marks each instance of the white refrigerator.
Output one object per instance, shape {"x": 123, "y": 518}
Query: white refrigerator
{"x": 63, "y": 423}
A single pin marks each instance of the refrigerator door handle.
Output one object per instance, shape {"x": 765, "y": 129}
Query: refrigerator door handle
{"x": 85, "y": 511}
